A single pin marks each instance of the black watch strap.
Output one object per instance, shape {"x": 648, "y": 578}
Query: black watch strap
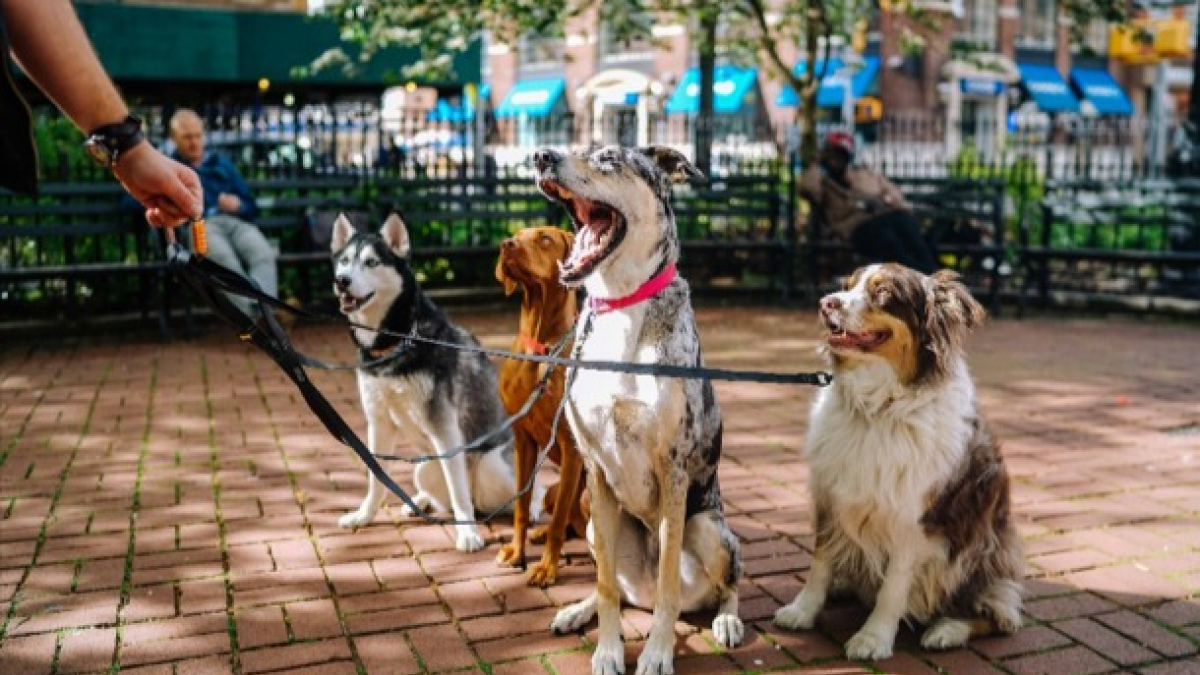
{"x": 107, "y": 143}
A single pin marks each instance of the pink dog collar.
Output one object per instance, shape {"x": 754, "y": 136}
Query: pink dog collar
{"x": 644, "y": 292}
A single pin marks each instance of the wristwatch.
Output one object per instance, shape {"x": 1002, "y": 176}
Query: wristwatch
{"x": 106, "y": 144}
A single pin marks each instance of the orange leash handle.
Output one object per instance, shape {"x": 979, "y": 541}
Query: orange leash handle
{"x": 199, "y": 237}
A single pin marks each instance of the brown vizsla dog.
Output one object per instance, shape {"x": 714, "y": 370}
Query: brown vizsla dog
{"x": 530, "y": 259}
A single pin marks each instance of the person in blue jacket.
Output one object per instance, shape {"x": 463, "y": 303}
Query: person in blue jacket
{"x": 229, "y": 207}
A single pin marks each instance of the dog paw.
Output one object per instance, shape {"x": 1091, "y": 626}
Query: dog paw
{"x": 538, "y": 534}
{"x": 510, "y": 555}
{"x": 728, "y": 630}
{"x": 657, "y": 659}
{"x": 422, "y": 501}
{"x": 796, "y": 616}
{"x": 609, "y": 660}
{"x": 355, "y": 520}
{"x": 469, "y": 541}
{"x": 946, "y": 634}
{"x": 869, "y": 646}
{"x": 542, "y": 574}
{"x": 572, "y": 618}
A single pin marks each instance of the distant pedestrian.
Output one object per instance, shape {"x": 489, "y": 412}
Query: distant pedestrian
{"x": 53, "y": 49}
{"x": 864, "y": 208}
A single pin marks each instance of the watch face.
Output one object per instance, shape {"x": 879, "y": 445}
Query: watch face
{"x": 98, "y": 151}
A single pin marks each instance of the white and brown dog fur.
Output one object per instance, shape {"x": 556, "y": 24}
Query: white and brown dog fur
{"x": 651, "y": 445}
{"x": 910, "y": 491}
{"x": 441, "y": 398}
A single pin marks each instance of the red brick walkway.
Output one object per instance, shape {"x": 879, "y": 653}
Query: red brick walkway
{"x": 171, "y": 510}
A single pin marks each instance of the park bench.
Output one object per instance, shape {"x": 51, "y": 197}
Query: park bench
{"x": 961, "y": 218}
{"x": 75, "y": 250}
{"x": 296, "y": 213}
{"x": 733, "y": 231}
{"x": 1114, "y": 239}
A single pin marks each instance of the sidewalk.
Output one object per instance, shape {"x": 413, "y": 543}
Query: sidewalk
{"x": 171, "y": 510}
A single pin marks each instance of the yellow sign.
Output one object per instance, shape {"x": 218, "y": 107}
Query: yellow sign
{"x": 867, "y": 109}
{"x": 1145, "y": 41}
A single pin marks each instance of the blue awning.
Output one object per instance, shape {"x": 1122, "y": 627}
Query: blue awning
{"x": 1102, "y": 90}
{"x": 454, "y": 114}
{"x": 732, "y": 86}
{"x": 832, "y": 90}
{"x": 1047, "y": 88}
{"x": 532, "y": 98}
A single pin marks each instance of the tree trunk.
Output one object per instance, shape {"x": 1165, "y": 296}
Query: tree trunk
{"x": 807, "y": 92}
{"x": 702, "y": 135}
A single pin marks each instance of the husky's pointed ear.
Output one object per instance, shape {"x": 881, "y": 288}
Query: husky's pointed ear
{"x": 342, "y": 231}
{"x": 395, "y": 235}
{"x": 673, "y": 163}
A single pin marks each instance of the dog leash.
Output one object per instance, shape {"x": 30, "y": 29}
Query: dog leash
{"x": 237, "y": 285}
{"x": 212, "y": 281}
{"x": 208, "y": 279}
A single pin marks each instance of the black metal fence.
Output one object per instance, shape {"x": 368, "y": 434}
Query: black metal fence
{"x": 1080, "y": 212}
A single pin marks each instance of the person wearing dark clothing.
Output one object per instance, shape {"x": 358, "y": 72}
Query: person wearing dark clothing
{"x": 864, "y": 208}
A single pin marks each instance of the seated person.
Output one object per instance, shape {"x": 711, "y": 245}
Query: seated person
{"x": 864, "y": 208}
{"x": 233, "y": 242}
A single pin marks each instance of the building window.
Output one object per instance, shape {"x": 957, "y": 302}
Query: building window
{"x": 541, "y": 54}
{"x": 637, "y": 48}
{"x": 1038, "y": 25}
{"x": 978, "y": 25}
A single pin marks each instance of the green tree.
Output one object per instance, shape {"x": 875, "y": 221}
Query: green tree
{"x": 749, "y": 31}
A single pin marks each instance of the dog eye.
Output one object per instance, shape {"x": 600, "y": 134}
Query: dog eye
{"x": 372, "y": 262}
{"x": 545, "y": 240}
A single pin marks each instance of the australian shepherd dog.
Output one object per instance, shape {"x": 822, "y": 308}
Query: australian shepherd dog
{"x": 910, "y": 491}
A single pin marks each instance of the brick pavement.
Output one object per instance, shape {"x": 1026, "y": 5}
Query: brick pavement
{"x": 171, "y": 510}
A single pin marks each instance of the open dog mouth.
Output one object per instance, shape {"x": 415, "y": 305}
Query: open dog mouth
{"x": 599, "y": 227}
{"x": 840, "y": 338}
{"x": 350, "y": 303}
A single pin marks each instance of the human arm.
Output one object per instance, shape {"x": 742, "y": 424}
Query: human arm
{"x": 236, "y": 198}
{"x": 50, "y": 44}
{"x": 810, "y": 184}
{"x": 891, "y": 195}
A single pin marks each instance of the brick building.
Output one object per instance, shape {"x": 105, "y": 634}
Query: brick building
{"x": 986, "y": 60}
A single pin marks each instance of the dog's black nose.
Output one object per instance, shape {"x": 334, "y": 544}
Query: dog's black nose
{"x": 545, "y": 159}
{"x": 343, "y": 281}
{"x": 830, "y": 303}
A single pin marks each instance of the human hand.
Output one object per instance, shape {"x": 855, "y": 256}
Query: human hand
{"x": 229, "y": 203}
{"x": 169, "y": 190}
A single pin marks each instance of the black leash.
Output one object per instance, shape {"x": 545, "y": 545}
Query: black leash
{"x": 209, "y": 279}
{"x": 239, "y": 287}
{"x": 212, "y": 282}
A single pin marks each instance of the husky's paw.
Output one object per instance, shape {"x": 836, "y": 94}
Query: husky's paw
{"x": 946, "y": 633}
{"x": 356, "y": 519}
{"x": 866, "y": 645}
{"x": 469, "y": 540}
{"x": 657, "y": 657}
{"x": 422, "y": 500}
{"x": 573, "y": 617}
{"x": 609, "y": 660}
{"x": 728, "y": 630}
{"x": 797, "y": 615}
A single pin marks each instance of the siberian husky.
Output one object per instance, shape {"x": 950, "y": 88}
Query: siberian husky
{"x": 440, "y": 397}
